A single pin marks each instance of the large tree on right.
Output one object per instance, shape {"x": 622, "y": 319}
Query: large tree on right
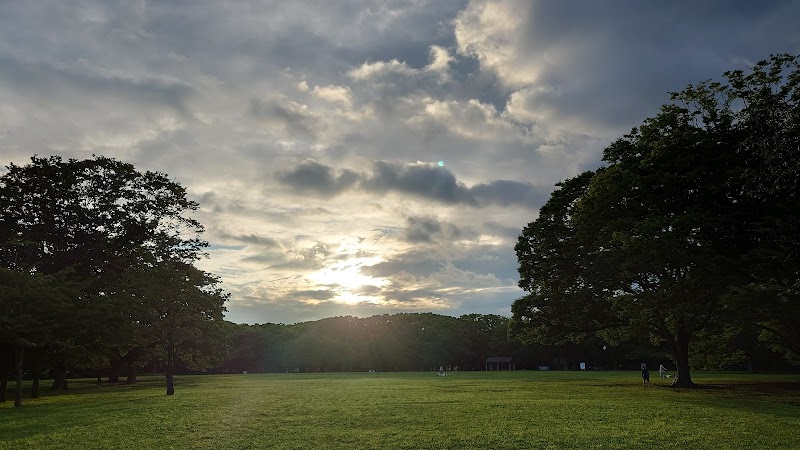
{"x": 692, "y": 221}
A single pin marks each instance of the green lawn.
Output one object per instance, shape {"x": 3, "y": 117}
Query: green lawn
{"x": 483, "y": 410}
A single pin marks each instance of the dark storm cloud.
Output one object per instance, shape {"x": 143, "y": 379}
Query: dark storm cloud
{"x": 311, "y": 176}
{"x": 430, "y": 181}
{"x": 421, "y": 229}
{"x": 417, "y": 179}
{"x": 423, "y": 180}
{"x": 416, "y": 263}
{"x": 427, "y": 229}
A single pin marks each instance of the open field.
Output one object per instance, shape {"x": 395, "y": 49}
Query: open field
{"x": 413, "y": 410}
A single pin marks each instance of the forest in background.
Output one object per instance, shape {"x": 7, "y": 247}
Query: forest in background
{"x": 425, "y": 341}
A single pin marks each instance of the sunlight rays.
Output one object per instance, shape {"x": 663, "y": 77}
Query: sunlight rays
{"x": 351, "y": 285}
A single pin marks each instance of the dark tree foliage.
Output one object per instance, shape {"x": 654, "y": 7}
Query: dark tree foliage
{"x": 562, "y": 296}
{"x": 30, "y": 308}
{"x": 89, "y": 223}
{"x": 399, "y": 342}
{"x": 692, "y": 223}
{"x": 182, "y": 310}
{"x": 92, "y": 216}
{"x": 409, "y": 342}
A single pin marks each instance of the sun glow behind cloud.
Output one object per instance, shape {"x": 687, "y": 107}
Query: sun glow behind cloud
{"x": 345, "y": 277}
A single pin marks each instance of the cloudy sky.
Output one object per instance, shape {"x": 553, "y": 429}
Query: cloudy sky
{"x": 311, "y": 132}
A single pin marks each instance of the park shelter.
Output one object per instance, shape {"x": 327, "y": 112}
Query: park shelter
{"x": 500, "y": 363}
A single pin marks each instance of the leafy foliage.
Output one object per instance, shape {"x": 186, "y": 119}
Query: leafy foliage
{"x": 693, "y": 221}
{"x": 84, "y": 226}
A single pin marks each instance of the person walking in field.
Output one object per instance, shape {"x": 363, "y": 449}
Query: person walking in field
{"x": 662, "y": 371}
{"x": 645, "y": 377}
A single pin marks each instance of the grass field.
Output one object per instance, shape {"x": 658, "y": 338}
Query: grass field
{"x": 482, "y": 410}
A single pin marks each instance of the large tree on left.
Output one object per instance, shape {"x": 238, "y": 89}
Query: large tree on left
{"x": 89, "y": 220}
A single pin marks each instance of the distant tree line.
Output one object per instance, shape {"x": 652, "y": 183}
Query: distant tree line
{"x": 688, "y": 236}
{"x": 400, "y": 342}
{"x": 425, "y": 341}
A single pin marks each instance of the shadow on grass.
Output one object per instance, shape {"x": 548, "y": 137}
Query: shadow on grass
{"x": 88, "y": 387}
{"x": 775, "y": 398}
{"x": 782, "y": 391}
{"x": 85, "y": 406}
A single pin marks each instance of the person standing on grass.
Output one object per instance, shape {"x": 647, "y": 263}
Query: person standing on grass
{"x": 662, "y": 371}
{"x": 645, "y": 376}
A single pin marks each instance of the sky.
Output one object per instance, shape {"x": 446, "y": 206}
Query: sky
{"x": 361, "y": 157}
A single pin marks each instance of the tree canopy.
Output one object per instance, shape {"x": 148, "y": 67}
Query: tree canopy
{"x": 89, "y": 224}
{"x": 692, "y": 220}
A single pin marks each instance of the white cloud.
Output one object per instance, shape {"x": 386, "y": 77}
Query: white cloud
{"x": 440, "y": 59}
{"x": 371, "y": 70}
{"x": 469, "y": 119}
{"x": 493, "y": 32}
{"x": 334, "y": 94}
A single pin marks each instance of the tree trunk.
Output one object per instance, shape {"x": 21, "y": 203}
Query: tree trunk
{"x": 18, "y": 391}
{"x": 36, "y": 371}
{"x": 3, "y": 385}
{"x": 130, "y": 360}
{"x": 170, "y": 382}
{"x": 169, "y": 369}
{"x": 684, "y": 378}
{"x": 60, "y": 378}
{"x": 131, "y": 374}
{"x": 116, "y": 364}
{"x": 5, "y": 368}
